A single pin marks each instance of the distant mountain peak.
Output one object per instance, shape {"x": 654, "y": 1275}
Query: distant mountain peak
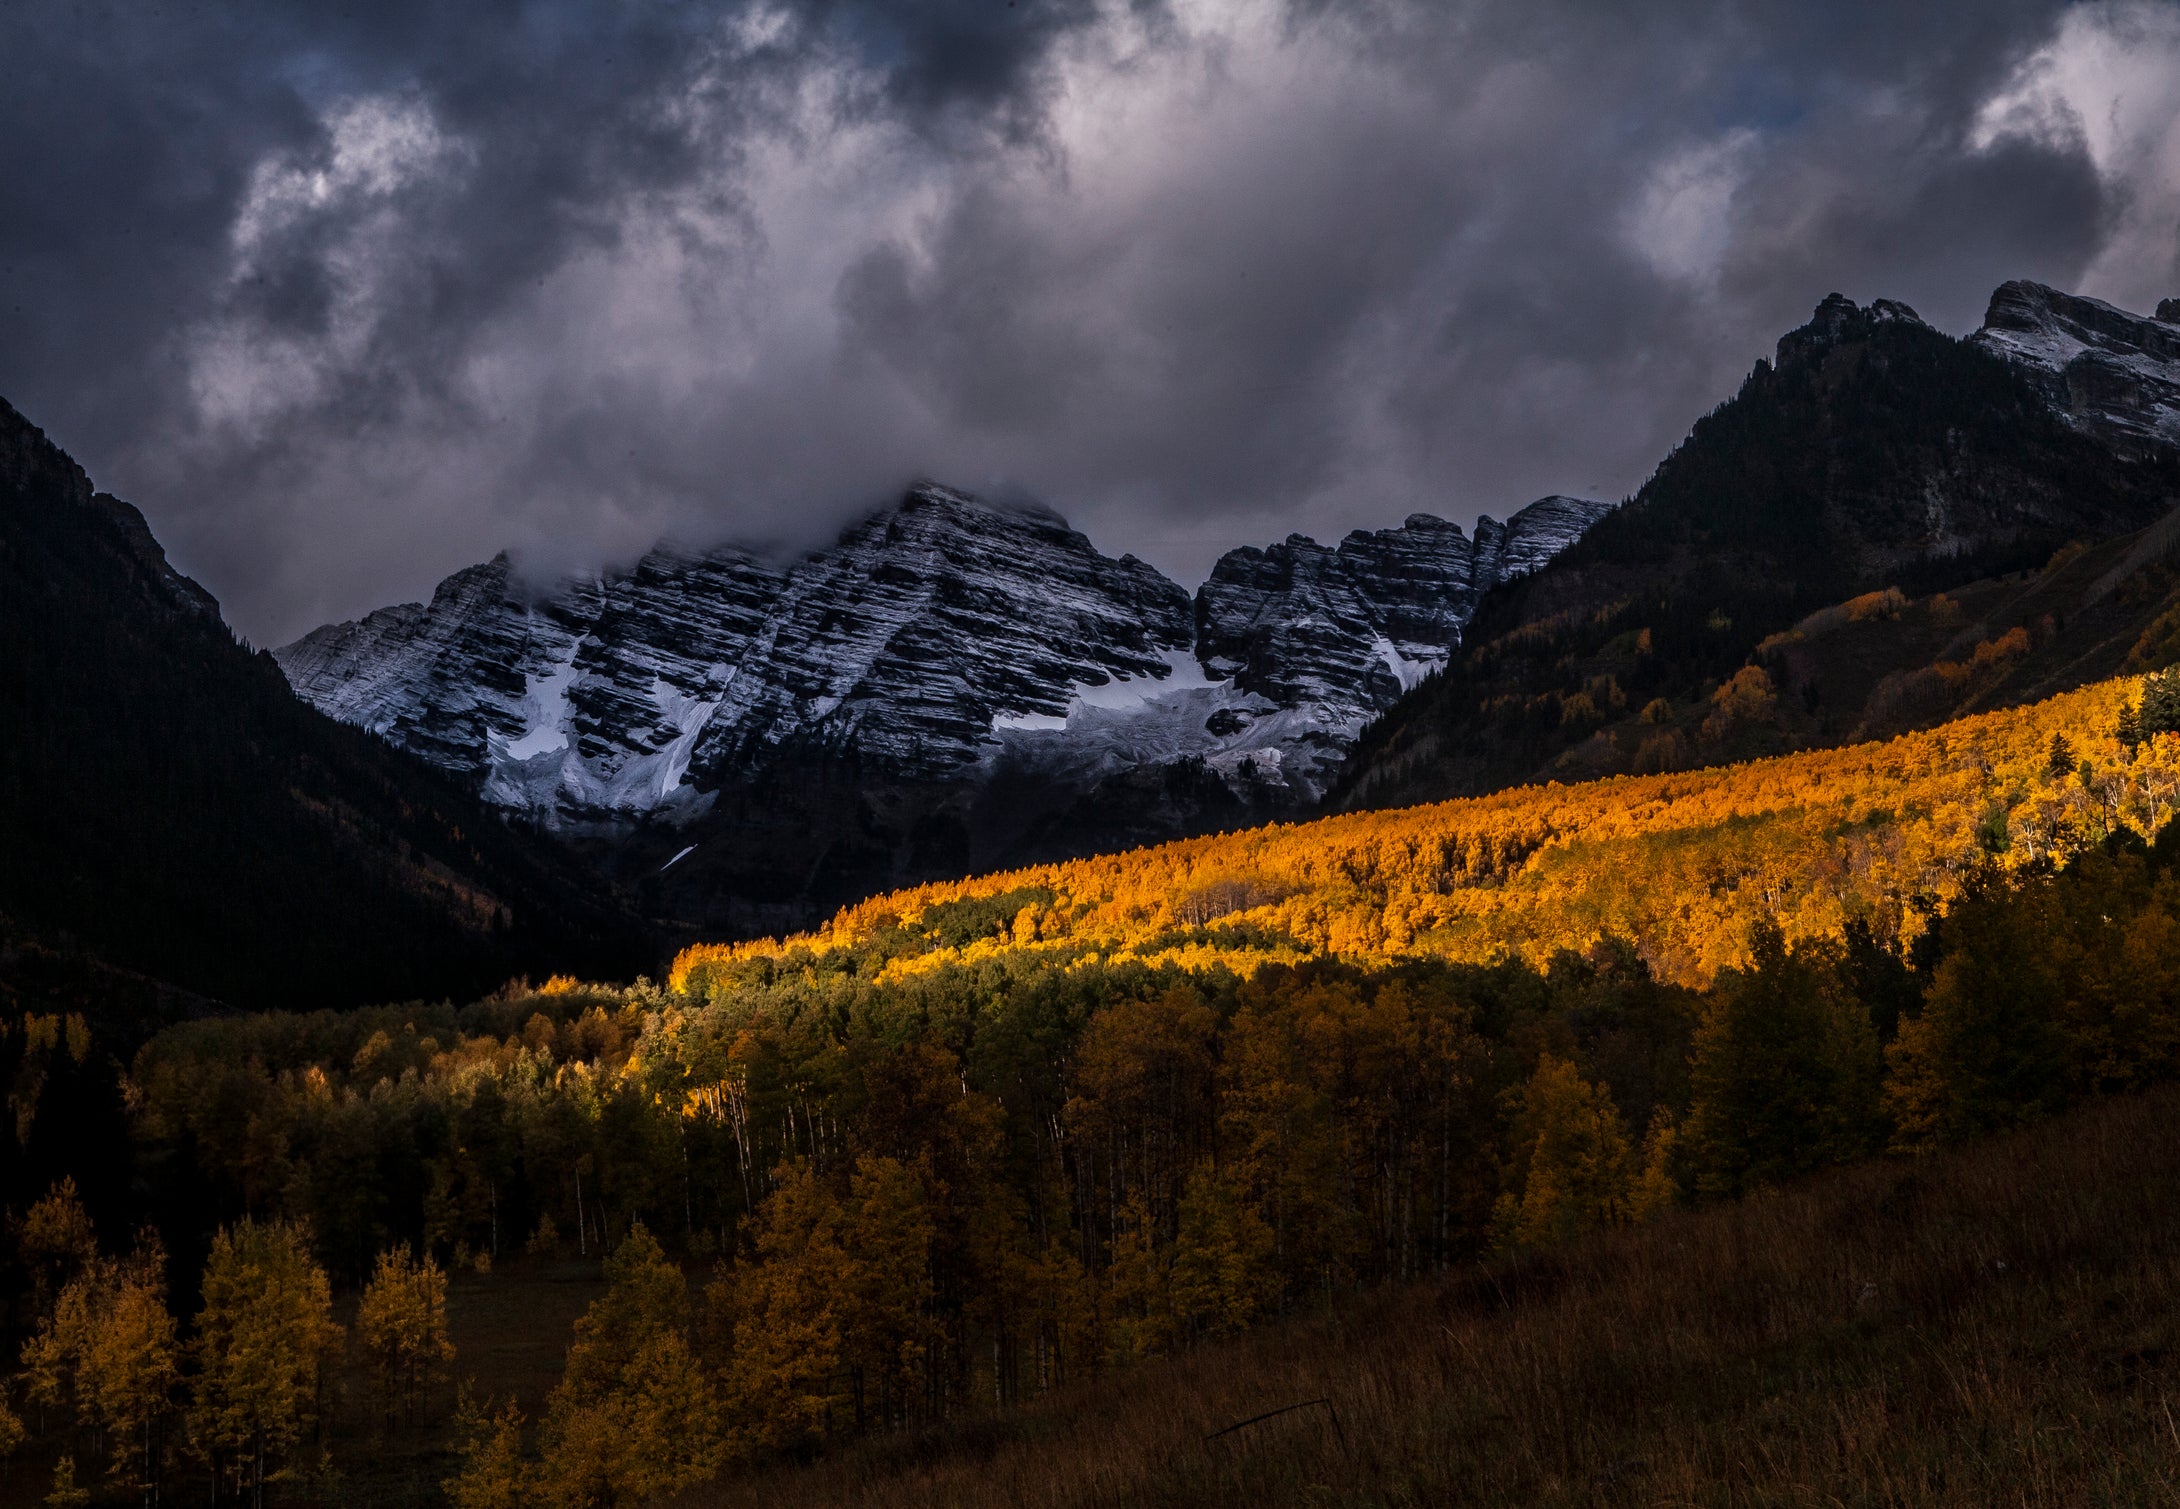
{"x": 1837, "y": 319}
{"x": 636, "y": 693}
{"x": 1353, "y": 627}
{"x": 2106, "y": 371}
{"x": 938, "y": 636}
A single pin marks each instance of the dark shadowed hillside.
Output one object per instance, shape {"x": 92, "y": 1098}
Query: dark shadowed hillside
{"x": 1876, "y": 454}
{"x": 169, "y": 807}
{"x": 1992, "y": 1326}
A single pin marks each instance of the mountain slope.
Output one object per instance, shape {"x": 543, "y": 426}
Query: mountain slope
{"x": 2110, "y": 373}
{"x": 1679, "y": 866}
{"x": 637, "y": 693}
{"x": 169, "y": 805}
{"x": 1990, "y": 1324}
{"x": 1288, "y": 621}
{"x": 1875, "y": 453}
{"x": 934, "y": 637}
{"x": 950, "y": 685}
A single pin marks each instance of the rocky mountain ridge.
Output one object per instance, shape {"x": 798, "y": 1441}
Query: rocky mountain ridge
{"x": 937, "y": 640}
{"x": 2109, "y": 373}
{"x": 1988, "y": 514}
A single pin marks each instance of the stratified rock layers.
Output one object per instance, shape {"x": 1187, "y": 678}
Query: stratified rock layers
{"x": 934, "y": 640}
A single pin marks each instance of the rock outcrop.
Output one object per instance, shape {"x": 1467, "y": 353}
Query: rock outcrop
{"x": 2113, "y": 374}
{"x": 942, "y": 640}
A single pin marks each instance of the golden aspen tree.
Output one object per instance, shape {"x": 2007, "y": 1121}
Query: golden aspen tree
{"x": 1138, "y": 1289}
{"x": 784, "y": 1317}
{"x": 1657, "y": 1187}
{"x": 131, "y": 1364}
{"x": 53, "y": 1357}
{"x": 263, "y": 1339}
{"x": 11, "y": 1431}
{"x": 1031, "y": 1298}
{"x": 494, "y": 1474}
{"x": 886, "y": 1244}
{"x": 1573, "y": 1170}
{"x": 635, "y": 1417}
{"x": 1224, "y": 1275}
{"x": 66, "y": 1492}
{"x": 402, "y": 1323}
{"x": 57, "y": 1244}
{"x": 106, "y": 1353}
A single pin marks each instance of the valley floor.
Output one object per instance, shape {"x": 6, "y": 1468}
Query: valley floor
{"x": 1999, "y": 1324}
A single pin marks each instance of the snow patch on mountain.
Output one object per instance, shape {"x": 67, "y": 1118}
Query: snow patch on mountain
{"x": 2112, "y": 373}
{"x": 934, "y": 640}
{"x": 1409, "y": 672}
{"x": 1123, "y": 695}
{"x": 544, "y": 711}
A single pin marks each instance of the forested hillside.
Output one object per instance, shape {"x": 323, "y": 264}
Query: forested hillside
{"x": 1991, "y": 1325}
{"x": 1882, "y": 835}
{"x": 172, "y": 816}
{"x": 979, "y": 1144}
{"x": 1877, "y": 455}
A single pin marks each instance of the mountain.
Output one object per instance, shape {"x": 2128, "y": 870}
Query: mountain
{"x": 1355, "y": 626}
{"x": 173, "y": 816}
{"x": 2110, "y": 373}
{"x": 950, "y": 683}
{"x": 1726, "y": 611}
{"x": 618, "y": 696}
{"x": 1296, "y": 648}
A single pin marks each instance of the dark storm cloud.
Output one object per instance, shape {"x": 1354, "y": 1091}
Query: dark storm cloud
{"x": 346, "y": 298}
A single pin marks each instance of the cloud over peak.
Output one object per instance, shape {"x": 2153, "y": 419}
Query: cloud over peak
{"x": 347, "y": 301}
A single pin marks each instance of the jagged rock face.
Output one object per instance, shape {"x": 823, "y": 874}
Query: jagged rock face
{"x": 2111, "y": 373}
{"x": 1299, "y": 646}
{"x": 1356, "y": 626}
{"x": 941, "y": 639}
{"x": 900, "y": 646}
{"x": 904, "y": 642}
{"x": 1839, "y": 318}
{"x": 463, "y": 682}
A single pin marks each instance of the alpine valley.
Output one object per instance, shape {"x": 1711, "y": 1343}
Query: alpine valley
{"x": 1809, "y": 811}
{"x": 954, "y": 685}
{"x": 768, "y": 962}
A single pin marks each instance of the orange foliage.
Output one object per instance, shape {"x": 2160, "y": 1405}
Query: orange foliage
{"x": 1680, "y": 863}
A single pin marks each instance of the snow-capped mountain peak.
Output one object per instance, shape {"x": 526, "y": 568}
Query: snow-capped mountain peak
{"x": 2112, "y": 373}
{"x": 935, "y": 640}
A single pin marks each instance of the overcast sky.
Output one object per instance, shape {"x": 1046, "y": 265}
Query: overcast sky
{"x": 348, "y": 296}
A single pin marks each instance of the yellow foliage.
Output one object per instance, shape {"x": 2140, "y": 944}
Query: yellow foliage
{"x": 56, "y": 1244}
{"x": 263, "y": 1338}
{"x": 108, "y": 1351}
{"x": 1885, "y": 604}
{"x": 1679, "y": 862}
{"x": 635, "y": 1417}
{"x": 494, "y": 1474}
{"x": 1575, "y": 1172}
{"x": 402, "y": 1323}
